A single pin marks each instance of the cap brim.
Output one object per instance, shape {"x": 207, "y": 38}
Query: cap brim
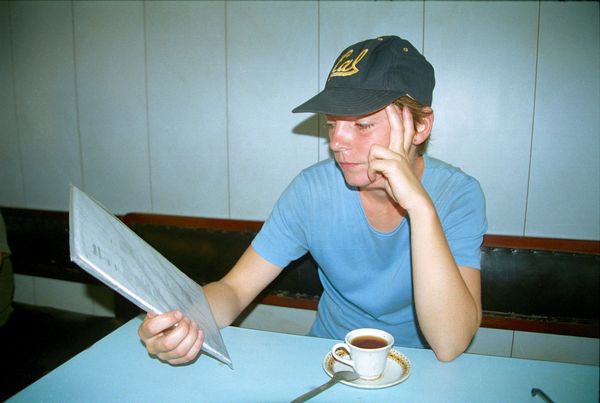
{"x": 348, "y": 101}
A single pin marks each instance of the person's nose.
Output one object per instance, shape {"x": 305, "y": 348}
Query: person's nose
{"x": 339, "y": 137}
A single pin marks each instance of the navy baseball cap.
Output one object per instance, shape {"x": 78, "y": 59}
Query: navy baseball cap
{"x": 370, "y": 75}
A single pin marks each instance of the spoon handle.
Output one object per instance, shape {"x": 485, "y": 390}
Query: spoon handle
{"x": 541, "y": 394}
{"x": 316, "y": 391}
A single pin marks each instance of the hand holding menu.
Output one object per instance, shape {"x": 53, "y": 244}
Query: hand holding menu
{"x": 107, "y": 249}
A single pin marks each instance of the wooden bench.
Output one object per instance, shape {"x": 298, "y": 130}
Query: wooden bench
{"x": 530, "y": 284}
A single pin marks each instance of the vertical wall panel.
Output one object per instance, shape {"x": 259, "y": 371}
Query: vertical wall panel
{"x": 45, "y": 101}
{"x": 484, "y": 54}
{"x": 110, "y": 59}
{"x": 187, "y": 107}
{"x": 11, "y": 175}
{"x": 564, "y": 194}
{"x": 363, "y": 20}
{"x": 272, "y": 49}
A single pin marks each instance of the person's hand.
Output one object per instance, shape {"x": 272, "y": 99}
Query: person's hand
{"x": 395, "y": 165}
{"x": 171, "y": 337}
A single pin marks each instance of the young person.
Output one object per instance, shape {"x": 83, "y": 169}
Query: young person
{"x": 396, "y": 234}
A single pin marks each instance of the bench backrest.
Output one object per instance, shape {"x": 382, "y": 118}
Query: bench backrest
{"x": 534, "y": 284}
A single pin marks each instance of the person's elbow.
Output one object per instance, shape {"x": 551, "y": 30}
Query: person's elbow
{"x": 448, "y": 354}
{"x": 449, "y": 349}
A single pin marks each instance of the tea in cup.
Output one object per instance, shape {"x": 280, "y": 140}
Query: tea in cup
{"x": 368, "y": 350}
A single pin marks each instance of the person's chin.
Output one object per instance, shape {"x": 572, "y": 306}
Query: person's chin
{"x": 354, "y": 175}
{"x": 357, "y": 181}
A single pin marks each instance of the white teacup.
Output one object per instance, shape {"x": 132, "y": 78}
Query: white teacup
{"x": 368, "y": 350}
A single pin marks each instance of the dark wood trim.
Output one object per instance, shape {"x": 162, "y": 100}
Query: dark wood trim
{"x": 30, "y": 214}
{"x": 192, "y": 222}
{"x": 548, "y": 244}
{"x": 50, "y": 214}
{"x": 490, "y": 240}
{"x": 289, "y": 302}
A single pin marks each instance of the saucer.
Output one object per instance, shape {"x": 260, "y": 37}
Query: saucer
{"x": 397, "y": 369}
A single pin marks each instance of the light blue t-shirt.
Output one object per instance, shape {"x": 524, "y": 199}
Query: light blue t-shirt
{"x": 366, "y": 274}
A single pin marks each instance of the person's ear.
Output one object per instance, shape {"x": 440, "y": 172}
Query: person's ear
{"x": 423, "y": 129}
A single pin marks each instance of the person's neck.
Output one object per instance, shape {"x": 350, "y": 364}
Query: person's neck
{"x": 381, "y": 211}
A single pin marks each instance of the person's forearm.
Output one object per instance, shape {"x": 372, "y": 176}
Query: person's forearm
{"x": 447, "y": 312}
{"x": 223, "y": 302}
{"x": 229, "y": 296}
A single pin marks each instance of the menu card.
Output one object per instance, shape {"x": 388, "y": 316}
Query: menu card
{"x": 110, "y": 251}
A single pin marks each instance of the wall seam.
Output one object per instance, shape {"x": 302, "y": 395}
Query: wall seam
{"x": 320, "y": 135}
{"x": 512, "y": 344}
{"x": 535, "y": 81}
{"x": 227, "y": 153}
{"x": 75, "y": 82}
{"x": 148, "y": 142}
{"x": 15, "y": 108}
{"x": 423, "y": 29}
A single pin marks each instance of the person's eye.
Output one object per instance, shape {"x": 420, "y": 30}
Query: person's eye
{"x": 329, "y": 125}
{"x": 364, "y": 125}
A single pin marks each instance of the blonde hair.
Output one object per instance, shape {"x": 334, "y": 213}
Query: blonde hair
{"x": 419, "y": 112}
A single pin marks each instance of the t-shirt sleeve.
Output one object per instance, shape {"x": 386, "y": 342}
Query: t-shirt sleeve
{"x": 283, "y": 237}
{"x": 465, "y": 225}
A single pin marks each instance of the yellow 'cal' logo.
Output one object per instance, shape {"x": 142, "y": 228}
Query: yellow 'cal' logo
{"x": 345, "y": 66}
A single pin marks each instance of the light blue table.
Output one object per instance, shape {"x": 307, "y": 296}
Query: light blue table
{"x": 275, "y": 367}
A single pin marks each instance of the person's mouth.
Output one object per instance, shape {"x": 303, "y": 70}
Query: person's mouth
{"x": 346, "y": 166}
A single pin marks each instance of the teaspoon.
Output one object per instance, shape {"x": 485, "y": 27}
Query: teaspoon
{"x": 338, "y": 376}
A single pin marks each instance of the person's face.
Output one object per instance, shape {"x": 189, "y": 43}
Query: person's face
{"x": 350, "y": 139}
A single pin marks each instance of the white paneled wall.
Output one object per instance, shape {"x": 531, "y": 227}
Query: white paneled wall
{"x": 11, "y": 173}
{"x": 183, "y": 107}
{"x": 484, "y": 98}
{"x": 41, "y": 35}
{"x": 552, "y": 347}
{"x": 272, "y": 49}
{"x": 187, "y": 111}
{"x": 111, "y": 87}
{"x": 564, "y": 187}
